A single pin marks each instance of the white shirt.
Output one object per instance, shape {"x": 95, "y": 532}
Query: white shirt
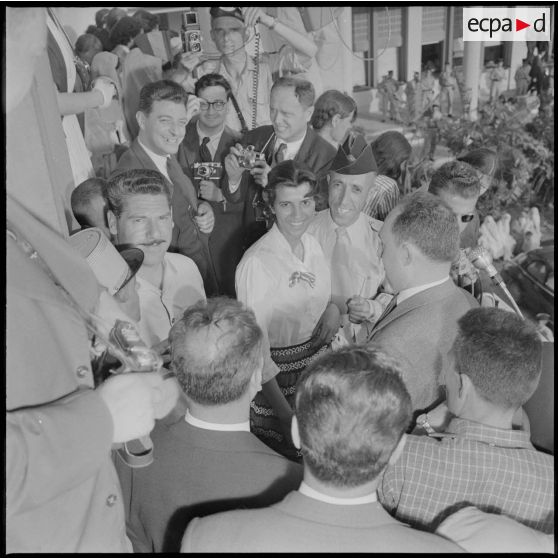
{"x": 182, "y": 287}
{"x": 367, "y": 267}
{"x": 312, "y": 493}
{"x": 291, "y": 149}
{"x": 214, "y": 140}
{"x": 287, "y": 314}
{"x": 160, "y": 161}
{"x": 408, "y": 293}
{"x": 199, "y": 423}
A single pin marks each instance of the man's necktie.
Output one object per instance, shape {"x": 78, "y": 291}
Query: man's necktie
{"x": 391, "y": 305}
{"x": 280, "y": 153}
{"x": 341, "y": 280}
{"x": 205, "y": 154}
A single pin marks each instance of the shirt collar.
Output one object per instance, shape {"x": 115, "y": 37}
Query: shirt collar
{"x": 408, "y": 293}
{"x": 212, "y": 138}
{"x": 157, "y": 159}
{"x": 490, "y": 435}
{"x": 198, "y": 423}
{"x": 316, "y": 495}
{"x": 292, "y": 147}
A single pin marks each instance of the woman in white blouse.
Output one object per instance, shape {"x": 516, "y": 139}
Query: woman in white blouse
{"x": 284, "y": 278}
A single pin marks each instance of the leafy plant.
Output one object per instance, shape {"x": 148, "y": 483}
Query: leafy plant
{"x": 525, "y": 148}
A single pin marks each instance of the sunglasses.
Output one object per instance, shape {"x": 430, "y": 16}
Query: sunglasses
{"x": 467, "y": 218}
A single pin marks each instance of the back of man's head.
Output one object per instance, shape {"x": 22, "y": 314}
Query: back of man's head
{"x": 501, "y": 354}
{"x": 427, "y": 222}
{"x": 352, "y": 409}
{"x": 88, "y": 203}
{"x": 303, "y": 89}
{"x": 216, "y": 348}
{"x": 133, "y": 182}
{"x": 162, "y": 90}
{"x": 456, "y": 177}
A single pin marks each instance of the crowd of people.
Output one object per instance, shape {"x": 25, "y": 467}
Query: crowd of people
{"x": 320, "y": 370}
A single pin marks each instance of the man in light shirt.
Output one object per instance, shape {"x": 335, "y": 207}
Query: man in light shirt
{"x": 164, "y": 111}
{"x": 207, "y": 461}
{"x": 420, "y": 238}
{"x": 351, "y": 413}
{"x": 351, "y": 242}
{"x": 139, "y": 213}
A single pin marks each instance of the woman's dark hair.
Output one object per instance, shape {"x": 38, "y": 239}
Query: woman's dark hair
{"x": 124, "y": 30}
{"x": 390, "y": 150}
{"x": 289, "y": 174}
{"x": 330, "y": 103}
{"x": 147, "y": 20}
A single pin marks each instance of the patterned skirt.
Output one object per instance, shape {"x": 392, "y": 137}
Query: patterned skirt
{"x": 263, "y": 421}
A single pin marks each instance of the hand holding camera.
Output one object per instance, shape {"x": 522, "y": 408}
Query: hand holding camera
{"x": 210, "y": 192}
{"x": 205, "y": 219}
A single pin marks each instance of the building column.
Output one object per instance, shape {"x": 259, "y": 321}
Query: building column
{"x": 412, "y": 41}
{"x": 448, "y": 50}
{"x": 471, "y": 73}
{"x": 344, "y": 21}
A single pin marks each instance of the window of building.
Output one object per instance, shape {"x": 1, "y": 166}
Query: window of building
{"x": 493, "y": 52}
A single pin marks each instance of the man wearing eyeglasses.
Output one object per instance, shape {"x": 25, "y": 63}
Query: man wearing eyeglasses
{"x": 230, "y": 31}
{"x": 208, "y": 140}
{"x": 457, "y": 183}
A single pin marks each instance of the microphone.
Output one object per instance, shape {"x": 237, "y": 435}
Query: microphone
{"x": 481, "y": 259}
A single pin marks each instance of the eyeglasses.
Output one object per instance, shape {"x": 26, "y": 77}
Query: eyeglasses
{"x": 467, "y": 218}
{"x": 217, "y": 105}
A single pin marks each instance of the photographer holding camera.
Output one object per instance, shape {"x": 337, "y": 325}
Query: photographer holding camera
{"x": 201, "y": 155}
{"x": 230, "y": 32}
{"x": 62, "y": 492}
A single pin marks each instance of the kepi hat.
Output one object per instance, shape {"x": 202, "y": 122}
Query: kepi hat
{"x": 113, "y": 266}
{"x": 354, "y": 157}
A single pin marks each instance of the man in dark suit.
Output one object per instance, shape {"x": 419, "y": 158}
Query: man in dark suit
{"x": 162, "y": 117}
{"x": 289, "y": 137}
{"x": 420, "y": 239}
{"x": 207, "y": 461}
{"x": 208, "y": 140}
{"x": 351, "y": 411}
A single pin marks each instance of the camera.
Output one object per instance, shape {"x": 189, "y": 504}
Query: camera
{"x": 207, "y": 171}
{"x": 249, "y": 156}
{"x": 190, "y": 33}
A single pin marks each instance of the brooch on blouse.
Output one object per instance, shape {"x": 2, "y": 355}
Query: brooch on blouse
{"x": 297, "y": 276}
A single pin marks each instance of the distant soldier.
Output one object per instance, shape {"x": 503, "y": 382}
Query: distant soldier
{"x": 447, "y": 86}
{"x": 388, "y": 88}
{"x": 427, "y": 85}
{"x": 497, "y": 76}
{"x": 414, "y": 97}
{"x": 522, "y": 78}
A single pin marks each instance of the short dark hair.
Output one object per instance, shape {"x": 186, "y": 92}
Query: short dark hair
{"x": 101, "y": 17}
{"x": 352, "y": 409}
{"x": 132, "y": 182}
{"x": 330, "y": 103}
{"x": 501, "y": 354}
{"x": 221, "y": 372}
{"x": 162, "y": 90}
{"x": 81, "y": 198}
{"x": 291, "y": 174}
{"x": 482, "y": 159}
{"x": 124, "y": 30}
{"x": 303, "y": 90}
{"x": 457, "y": 178}
{"x": 390, "y": 150}
{"x": 114, "y": 16}
{"x": 87, "y": 42}
{"x": 148, "y": 21}
{"x": 212, "y": 80}
{"x": 428, "y": 223}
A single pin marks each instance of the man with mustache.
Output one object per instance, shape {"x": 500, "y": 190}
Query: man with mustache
{"x": 140, "y": 213}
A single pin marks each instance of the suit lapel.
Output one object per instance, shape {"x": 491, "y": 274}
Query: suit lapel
{"x": 428, "y": 296}
{"x": 304, "y": 151}
{"x": 191, "y": 145}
